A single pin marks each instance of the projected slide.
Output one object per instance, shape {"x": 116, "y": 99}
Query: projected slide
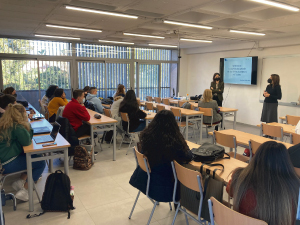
{"x": 238, "y": 70}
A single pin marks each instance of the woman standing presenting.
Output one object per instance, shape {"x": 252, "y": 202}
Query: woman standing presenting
{"x": 271, "y": 94}
{"x": 217, "y": 88}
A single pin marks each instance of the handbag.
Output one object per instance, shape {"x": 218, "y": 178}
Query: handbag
{"x": 208, "y": 153}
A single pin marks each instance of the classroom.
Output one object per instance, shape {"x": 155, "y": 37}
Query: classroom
{"x": 150, "y": 112}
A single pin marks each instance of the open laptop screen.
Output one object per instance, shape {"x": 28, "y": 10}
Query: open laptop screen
{"x": 55, "y": 130}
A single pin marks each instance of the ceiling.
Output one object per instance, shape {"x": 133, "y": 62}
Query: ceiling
{"x": 25, "y": 18}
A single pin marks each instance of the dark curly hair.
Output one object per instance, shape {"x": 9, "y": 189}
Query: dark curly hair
{"x": 50, "y": 91}
{"x": 161, "y": 140}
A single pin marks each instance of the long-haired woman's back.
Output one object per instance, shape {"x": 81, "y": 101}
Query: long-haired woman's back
{"x": 268, "y": 187}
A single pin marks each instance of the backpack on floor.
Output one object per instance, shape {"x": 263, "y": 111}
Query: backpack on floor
{"x": 56, "y": 196}
{"x": 82, "y": 158}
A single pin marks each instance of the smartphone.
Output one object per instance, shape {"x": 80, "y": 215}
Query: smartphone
{"x": 49, "y": 144}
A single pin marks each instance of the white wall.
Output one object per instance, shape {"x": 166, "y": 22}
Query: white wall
{"x": 197, "y": 67}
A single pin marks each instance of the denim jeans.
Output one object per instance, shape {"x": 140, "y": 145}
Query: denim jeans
{"x": 141, "y": 126}
{"x": 19, "y": 164}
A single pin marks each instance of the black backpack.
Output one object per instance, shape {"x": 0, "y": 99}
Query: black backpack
{"x": 208, "y": 153}
{"x": 56, "y": 196}
{"x": 89, "y": 105}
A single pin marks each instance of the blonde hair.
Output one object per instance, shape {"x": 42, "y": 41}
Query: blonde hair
{"x": 207, "y": 95}
{"x": 13, "y": 116}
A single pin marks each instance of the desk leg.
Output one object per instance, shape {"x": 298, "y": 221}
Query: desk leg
{"x": 147, "y": 122}
{"x": 51, "y": 164}
{"x": 223, "y": 120}
{"x": 234, "y": 122}
{"x": 115, "y": 141}
{"x": 30, "y": 181}
{"x": 187, "y": 128}
{"x": 201, "y": 122}
{"x": 92, "y": 143}
{"x": 66, "y": 161}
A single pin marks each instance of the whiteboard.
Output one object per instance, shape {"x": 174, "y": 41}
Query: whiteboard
{"x": 288, "y": 68}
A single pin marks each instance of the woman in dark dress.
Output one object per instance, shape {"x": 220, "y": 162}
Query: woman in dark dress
{"x": 217, "y": 88}
{"x": 272, "y": 94}
{"x": 162, "y": 143}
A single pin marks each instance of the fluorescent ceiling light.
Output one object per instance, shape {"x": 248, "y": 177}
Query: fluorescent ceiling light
{"x": 117, "y": 42}
{"x": 59, "y": 37}
{"x": 167, "y": 46}
{"x": 194, "y": 40}
{"x": 246, "y": 32}
{"x": 143, "y": 35}
{"x": 100, "y": 12}
{"x": 187, "y": 24}
{"x": 73, "y": 28}
{"x": 278, "y": 4}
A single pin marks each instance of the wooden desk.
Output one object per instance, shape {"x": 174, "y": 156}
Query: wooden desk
{"x": 108, "y": 106}
{"x": 229, "y": 165}
{"x": 282, "y": 119}
{"x": 243, "y": 138}
{"x": 108, "y": 124}
{"x": 62, "y": 145}
{"x": 224, "y": 111}
{"x": 150, "y": 116}
{"x": 190, "y": 115}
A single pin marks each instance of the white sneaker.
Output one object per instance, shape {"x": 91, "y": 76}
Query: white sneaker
{"x": 22, "y": 195}
{"x": 18, "y": 184}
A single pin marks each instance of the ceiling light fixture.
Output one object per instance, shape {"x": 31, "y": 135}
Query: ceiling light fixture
{"x": 59, "y": 37}
{"x": 73, "y": 28}
{"x": 278, "y": 4}
{"x": 143, "y": 35}
{"x": 187, "y": 24}
{"x": 100, "y": 12}
{"x": 117, "y": 42}
{"x": 194, "y": 40}
{"x": 246, "y": 32}
{"x": 167, "y": 46}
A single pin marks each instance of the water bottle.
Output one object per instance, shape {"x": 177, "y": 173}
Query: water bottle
{"x": 72, "y": 193}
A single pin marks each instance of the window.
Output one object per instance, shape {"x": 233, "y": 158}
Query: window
{"x": 103, "y": 51}
{"x": 165, "y": 80}
{"x": 148, "y": 80}
{"x": 117, "y": 73}
{"x": 35, "y": 47}
{"x": 154, "y": 54}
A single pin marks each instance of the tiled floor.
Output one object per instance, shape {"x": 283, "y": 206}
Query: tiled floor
{"x": 103, "y": 194}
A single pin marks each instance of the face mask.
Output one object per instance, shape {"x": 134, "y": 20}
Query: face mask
{"x": 217, "y": 79}
{"x": 15, "y": 95}
{"x": 83, "y": 100}
{"x": 270, "y": 80}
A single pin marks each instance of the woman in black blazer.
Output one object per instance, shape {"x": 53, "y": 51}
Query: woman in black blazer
{"x": 272, "y": 94}
{"x": 162, "y": 143}
{"x": 217, "y": 88}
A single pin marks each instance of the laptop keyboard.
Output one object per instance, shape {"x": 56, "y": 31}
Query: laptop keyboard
{"x": 45, "y": 138}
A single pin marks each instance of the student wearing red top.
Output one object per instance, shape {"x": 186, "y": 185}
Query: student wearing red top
{"x": 267, "y": 189}
{"x": 75, "y": 112}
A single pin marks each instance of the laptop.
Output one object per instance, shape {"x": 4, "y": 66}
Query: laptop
{"x": 48, "y": 138}
{"x": 41, "y": 130}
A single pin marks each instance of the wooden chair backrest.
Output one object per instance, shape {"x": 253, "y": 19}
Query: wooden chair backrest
{"x": 160, "y": 107}
{"x": 138, "y": 101}
{"x": 166, "y": 101}
{"x": 292, "y": 120}
{"x": 149, "y": 98}
{"x": 176, "y": 112}
{"x": 140, "y": 159}
{"x": 187, "y": 177}
{"x": 180, "y": 103}
{"x": 254, "y": 146}
{"x": 296, "y": 138}
{"x": 273, "y": 131}
{"x": 124, "y": 117}
{"x": 149, "y": 106}
{"x": 107, "y": 112}
{"x": 192, "y": 107}
{"x": 207, "y": 111}
{"x": 224, "y": 139}
{"x": 226, "y": 216}
{"x": 157, "y": 100}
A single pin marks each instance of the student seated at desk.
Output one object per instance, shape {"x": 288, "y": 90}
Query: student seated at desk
{"x": 92, "y": 98}
{"x": 267, "y": 189}
{"x": 162, "y": 143}
{"x": 294, "y": 153}
{"x": 4, "y": 101}
{"x": 120, "y": 91}
{"x": 115, "y": 110}
{"x": 57, "y": 101}
{"x": 10, "y": 91}
{"x": 75, "y": 112}
{"x": 130, "y": 106}
{"x": 16, "y": 132}
{"x": 208, "y": 102}
{"x": 48, "y": 95}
